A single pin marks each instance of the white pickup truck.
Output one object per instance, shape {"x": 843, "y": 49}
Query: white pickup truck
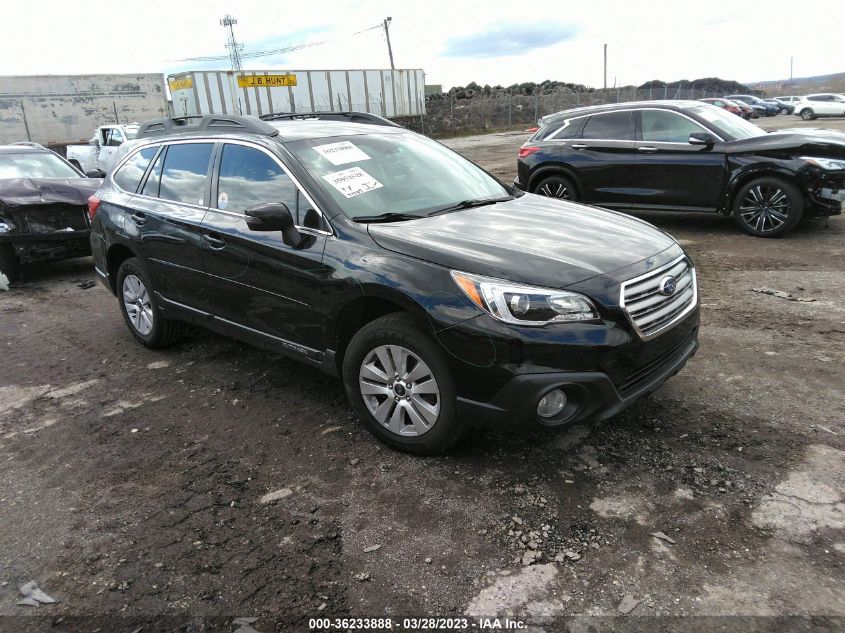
{"x": 101, "y": 150}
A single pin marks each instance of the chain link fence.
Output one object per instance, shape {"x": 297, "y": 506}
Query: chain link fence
{"x": 447, "y": 116}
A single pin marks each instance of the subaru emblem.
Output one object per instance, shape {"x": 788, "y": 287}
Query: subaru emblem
{"x": 667, "y": 286}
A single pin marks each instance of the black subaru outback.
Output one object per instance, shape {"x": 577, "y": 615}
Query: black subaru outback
{"x": 441, "y": 296}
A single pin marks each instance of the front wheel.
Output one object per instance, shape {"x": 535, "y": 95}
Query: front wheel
{"x": 768, "y": 207}
{"x": 139, "y": 307}
{"x": 807, "y": 114}
{"x": 784, "y": 111}
{"x": 9, "y": 264}
{"x": 400, "y": 385}
{"x": 559, "y": 187}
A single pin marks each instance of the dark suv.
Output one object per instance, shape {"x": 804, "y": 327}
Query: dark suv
{"x": 441, "y": 296}
{"x": 686, "y": 156}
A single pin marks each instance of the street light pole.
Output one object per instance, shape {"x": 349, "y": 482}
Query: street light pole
{"x": 386, "y": 23}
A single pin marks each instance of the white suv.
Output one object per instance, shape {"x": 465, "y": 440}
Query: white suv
{"x": 823, "y": 104}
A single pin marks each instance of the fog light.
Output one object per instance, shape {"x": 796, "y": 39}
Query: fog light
{"x": 551, "y": 404}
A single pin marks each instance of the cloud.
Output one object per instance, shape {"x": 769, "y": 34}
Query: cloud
{"x": 511, "y": 39}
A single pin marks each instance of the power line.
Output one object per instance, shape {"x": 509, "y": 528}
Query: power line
{"x": 269, "y": 52}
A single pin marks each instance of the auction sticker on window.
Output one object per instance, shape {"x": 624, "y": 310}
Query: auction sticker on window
{"x": 352, "y": 182}
{"x": 341, "y": 153}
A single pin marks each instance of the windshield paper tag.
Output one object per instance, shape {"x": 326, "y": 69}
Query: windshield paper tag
{"x": 352, "y": 182}
{"x": 341, "y": 153}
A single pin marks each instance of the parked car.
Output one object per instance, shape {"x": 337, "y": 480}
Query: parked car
{"x": 726, "y": 104}
{"x": 786, "y": 107}
{"x": 441, "y": 296}
{"x": 43, "y": 208}
{"x": 686, "y": 156}
{"x": 820, "y": 105}
{"x": 760, "y": 107}
{"x": 100, "y": 152}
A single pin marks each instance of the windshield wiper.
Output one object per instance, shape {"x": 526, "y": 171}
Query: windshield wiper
{"x": 468, "y": 204}
{"x": 387, "y": 217}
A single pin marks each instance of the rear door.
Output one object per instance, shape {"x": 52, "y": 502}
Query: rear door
{"x": 167, "y": 217}
{"x": 259, "y": 284}
{"x": 670, "y": 172}
{"x": 604, "y": 159}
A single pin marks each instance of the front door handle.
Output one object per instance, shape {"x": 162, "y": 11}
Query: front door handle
{"x": 579, "y": 146}
{"x": 214, "y": 242}
{"x": 647, "y": 149}
{"x": 139, "y": 218}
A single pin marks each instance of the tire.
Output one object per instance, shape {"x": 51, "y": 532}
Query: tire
{"x": 425, "y": 423}
{"x": 9, "y": 264}
{"x": 784, "y": 111}
{"x": 768, "y": 207}
{"x": 559, "y": 187}
{"x": 147, "y": 324}
{"x": 807, "y": 114}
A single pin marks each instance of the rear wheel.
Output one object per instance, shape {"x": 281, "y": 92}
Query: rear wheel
{"x": 768, "y": 207}
{"x": 784, "y": 111}
{"x": 559, "y": 187}
{"x": 807, "y": 114}
{"x": 399, "y": 383}
{"x": 9, "y": 264}
{"x": 139, "y": 307}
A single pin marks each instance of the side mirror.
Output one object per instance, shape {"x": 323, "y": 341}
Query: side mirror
{"x": 94, "y": 173}
{"x": 701, "y": 138}
{"x": 94, "y": 141}
{"x": 274, "y": 216}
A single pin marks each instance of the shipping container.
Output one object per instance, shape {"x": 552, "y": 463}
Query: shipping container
{"x": 64, "y": 109}
{"x": 389, "y": 93}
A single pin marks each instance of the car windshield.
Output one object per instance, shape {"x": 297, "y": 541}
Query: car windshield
{"x": 369, "y": 175}
{"x": 34, "y": 165}
{"x": 729, "y": 126}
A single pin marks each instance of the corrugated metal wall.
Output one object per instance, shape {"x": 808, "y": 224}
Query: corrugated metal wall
{"x": 388, "y": 93}
{"x": 59, "y": 109}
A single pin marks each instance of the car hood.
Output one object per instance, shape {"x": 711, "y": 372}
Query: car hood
{"x": 530, "y": 239}
{"x": 19, "y": 192}
{"x": 801, "y": 141}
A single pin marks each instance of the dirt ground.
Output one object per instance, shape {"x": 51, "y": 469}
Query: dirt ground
{"x": 131, "y": 479}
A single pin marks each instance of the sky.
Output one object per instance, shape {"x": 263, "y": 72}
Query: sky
{"x": 453, "y": 41}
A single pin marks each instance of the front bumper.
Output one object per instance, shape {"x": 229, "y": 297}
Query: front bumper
{"x": 592, "y": 396}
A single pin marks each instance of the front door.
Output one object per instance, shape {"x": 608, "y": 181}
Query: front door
{"x": 603, "y": 157}
{"x": 108, "y": 150}
{"x": 670, "y": 172}
{"x": 260, "y": 284}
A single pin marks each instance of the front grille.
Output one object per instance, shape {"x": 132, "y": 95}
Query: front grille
{"x": 650, "y": 310}
{"x": 643, "y": 374}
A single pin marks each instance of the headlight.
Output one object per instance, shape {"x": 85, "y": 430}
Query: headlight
{"x": 525, "y": 305}
{"x": 825, "y": 163}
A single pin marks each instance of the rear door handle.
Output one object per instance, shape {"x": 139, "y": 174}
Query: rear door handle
{"x": 579, "y": 146}
{"x": 139, "y": 218}
{"x": 647, "y": 149}
{"x": 214, "y": 242}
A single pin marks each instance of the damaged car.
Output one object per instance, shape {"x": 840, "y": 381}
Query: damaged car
{"x": 43, "y": 208}
{"x": 686, "y": 156}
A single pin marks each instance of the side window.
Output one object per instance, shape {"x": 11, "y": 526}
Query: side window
{"x": 617, "y": 126}
{"x": 570, "y": 130}
{"x": 184, "y": 177}
{"x": 816, "y": 98}
{"x": 115, "y": 138}
{"x": 128, "y": 177}
{"x": 248, "y": 177}
{"x": 153, "y": 180}
{"x": 662, "y": 126}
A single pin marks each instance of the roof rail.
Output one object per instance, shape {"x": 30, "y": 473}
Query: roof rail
{"x": 29, "y": 144}
{"x": 349, "y": 117}
{"x": 205, "y": 123}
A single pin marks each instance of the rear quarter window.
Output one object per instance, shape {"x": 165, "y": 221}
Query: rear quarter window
{"x": 128, "y": 177}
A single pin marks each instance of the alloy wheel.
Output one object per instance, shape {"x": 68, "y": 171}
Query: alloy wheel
{"x": 136, "y": 300}
{"x": 765, "y": 208}
{"x": 399, "y": 390}
{"x": 555, "y": 190}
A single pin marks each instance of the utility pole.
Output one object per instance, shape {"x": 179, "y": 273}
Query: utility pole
{"x": 386, "y": 23}
{"x": 790, "y": 69}
{"x": 234, "y": 48}
{"x": 605, "y": 66}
